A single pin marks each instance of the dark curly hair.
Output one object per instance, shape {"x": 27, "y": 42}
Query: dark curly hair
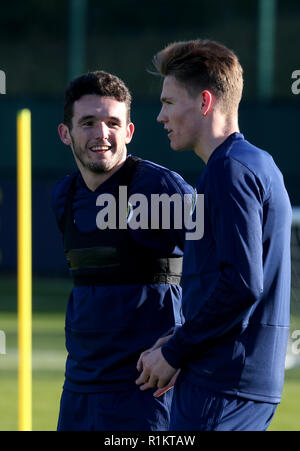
{"x": 100, "y": 83}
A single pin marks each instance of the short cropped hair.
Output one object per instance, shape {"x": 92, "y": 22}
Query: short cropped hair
{"x": 100, "y": 83}
{"x": 203, "y": 64}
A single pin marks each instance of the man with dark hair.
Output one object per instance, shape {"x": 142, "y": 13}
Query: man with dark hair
{"x": 236, "y": 279}
{"x": 126, "y": 290}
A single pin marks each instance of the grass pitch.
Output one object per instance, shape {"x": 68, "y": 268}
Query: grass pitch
{"x": 49, "y": 302}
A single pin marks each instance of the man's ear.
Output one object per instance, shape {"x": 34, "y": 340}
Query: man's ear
{"x": 206, "y": 102}
{"x": 129, "y": 133}
{"x": 64, "y": 134}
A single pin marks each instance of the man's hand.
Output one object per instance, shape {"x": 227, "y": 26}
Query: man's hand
{"x": 161, "y": 391}
{"x": 157, "y": 344}
{"x": 156, "y": 372}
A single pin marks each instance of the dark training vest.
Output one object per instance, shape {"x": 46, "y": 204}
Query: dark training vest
{"x": 113, "y": 257}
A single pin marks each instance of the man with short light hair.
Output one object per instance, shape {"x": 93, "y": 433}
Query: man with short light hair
{"x": 236, "y": 280}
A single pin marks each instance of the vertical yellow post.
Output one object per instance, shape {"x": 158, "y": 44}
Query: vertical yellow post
{"x": 24, "y": 268}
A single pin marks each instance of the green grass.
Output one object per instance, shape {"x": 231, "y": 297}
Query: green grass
{"x": 287, "y": 416}
{"x": 49, "y": 301}
{"x": 45, "y": 400}
{"x": 48, "y": 371}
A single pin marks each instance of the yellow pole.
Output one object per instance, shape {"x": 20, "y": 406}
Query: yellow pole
{"x": 24, "y": 268}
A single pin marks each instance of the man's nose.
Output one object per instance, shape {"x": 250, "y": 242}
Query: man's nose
{"x": 162, "y": 118}
{"x": 101, "y": 130}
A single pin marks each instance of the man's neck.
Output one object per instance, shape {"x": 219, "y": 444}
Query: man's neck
{"x": 214, "y": 135}
{"x": 94, "y": 180}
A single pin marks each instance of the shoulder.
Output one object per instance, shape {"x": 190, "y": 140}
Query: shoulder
{"x": 252, "y": 157}
{"x": 60, "y": 192}
{"x": 153, "y": 177}
{"x": 242, "y": 153}
{"x": 243, "y": 164}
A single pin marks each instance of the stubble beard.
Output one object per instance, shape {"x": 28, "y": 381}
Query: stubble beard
{"x": 96, "y": 167}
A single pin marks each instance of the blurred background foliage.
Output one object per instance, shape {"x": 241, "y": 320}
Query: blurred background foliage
{"x": 122, "y": 36}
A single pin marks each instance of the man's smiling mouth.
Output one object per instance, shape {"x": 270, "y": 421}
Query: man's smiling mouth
{"x": 100, "y": 149}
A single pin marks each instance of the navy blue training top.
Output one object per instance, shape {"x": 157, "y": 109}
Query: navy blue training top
{"x": 236, "y": 279}
{"x": 107, "y": 327}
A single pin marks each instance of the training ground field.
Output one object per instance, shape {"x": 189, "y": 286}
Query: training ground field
{"x": 49, "y": 302}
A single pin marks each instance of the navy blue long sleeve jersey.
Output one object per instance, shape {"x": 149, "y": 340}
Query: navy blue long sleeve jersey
{"x": 236, "y": 279}
{"x": 107, "y": 327}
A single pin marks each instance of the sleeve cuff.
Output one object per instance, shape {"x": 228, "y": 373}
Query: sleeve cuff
{"x": 171, "y": 354}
